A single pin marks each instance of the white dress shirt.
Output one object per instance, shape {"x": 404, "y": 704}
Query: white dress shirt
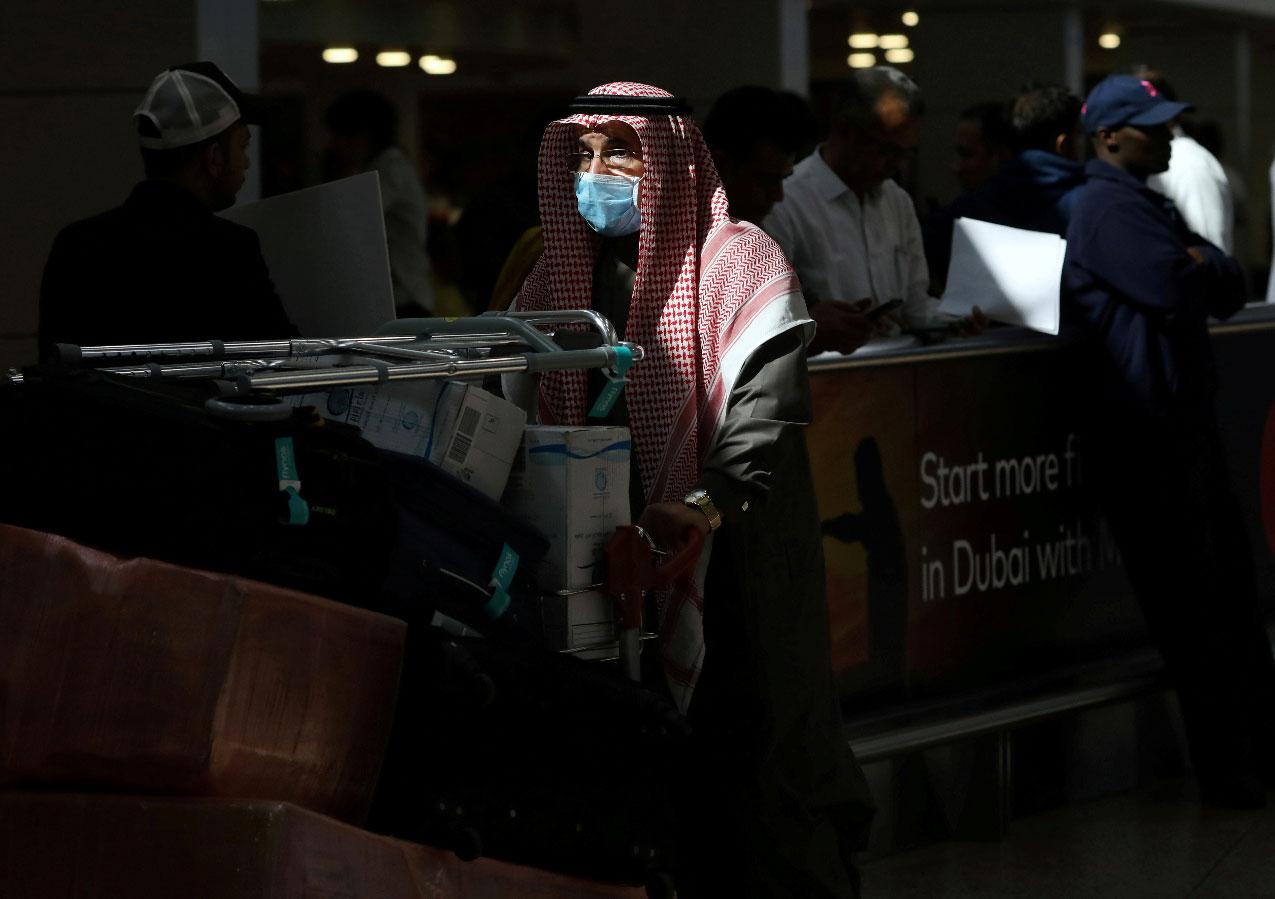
{"x": 406, "y": 229}
{"x": 844, "y": 249}
{"x": 1270, "y": 281}
{"x": 1197, "y": 185}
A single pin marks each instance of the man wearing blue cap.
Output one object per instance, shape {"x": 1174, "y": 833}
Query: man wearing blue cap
{"x": 1141, "y": 286}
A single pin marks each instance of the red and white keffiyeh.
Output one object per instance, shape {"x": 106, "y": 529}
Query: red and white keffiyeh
{"x": 708, "y": 292}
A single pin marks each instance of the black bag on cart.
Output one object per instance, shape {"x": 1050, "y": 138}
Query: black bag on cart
{"x": 536, "y": 758}
{"x": 142, "y": 467}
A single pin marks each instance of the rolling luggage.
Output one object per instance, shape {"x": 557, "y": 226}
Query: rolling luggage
{"x": 141, "y": 468}
{"x": 548, "y": 760}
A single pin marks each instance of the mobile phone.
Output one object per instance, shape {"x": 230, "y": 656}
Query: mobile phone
{"x": 888, "y": 306}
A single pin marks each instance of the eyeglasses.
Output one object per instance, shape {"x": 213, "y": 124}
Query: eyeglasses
{"x": 613, "y": 158}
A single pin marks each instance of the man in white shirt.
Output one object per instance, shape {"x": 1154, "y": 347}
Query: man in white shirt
{"x": 852, "y": 233}
{"x": 1270, "y": 282}
{"x": 1197, "y": 185}
{"x": 364, "y": 126}
{"x": 1196, "y": 182}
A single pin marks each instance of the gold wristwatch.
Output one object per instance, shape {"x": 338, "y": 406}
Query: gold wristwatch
{"x": 699, "y": 499}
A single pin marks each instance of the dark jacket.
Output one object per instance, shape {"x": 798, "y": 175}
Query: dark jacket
{"x": 1036, "y": 190}
{"x": 1132, "y": 288}
{"x": 160, "y": 268}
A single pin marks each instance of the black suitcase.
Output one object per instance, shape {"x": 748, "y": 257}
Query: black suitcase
{"x": 141, "y": 467}
{"x": 535, "y": 758}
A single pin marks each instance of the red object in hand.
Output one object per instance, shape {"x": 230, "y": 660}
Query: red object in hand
{"x": 631, "y": 569}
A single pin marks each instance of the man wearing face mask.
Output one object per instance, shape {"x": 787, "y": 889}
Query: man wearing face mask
{"x": 1140, "y": 286}
{"x": 162, "y": 267}
{"x": 636, "y": 226}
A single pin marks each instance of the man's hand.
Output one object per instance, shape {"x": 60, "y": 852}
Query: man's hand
{"x": 841, "y": 327}
{"x": 667, "y": 523}
{"x": 973, "y": 324}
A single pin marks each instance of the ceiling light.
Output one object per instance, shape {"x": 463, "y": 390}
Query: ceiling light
{"x": 1109, "y": 40}
{"x": 911, "y": 19}
{"x": 863, "y": 41}
{"x": 893, "y": 41}
{"x": 340, "y": 54}
{"x": 861, "y": 60}
{"x": 900, "y": 55}
{"x": 393, "y": 59}
{"x": 437, "y": 65}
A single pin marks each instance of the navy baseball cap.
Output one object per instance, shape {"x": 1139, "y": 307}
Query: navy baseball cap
{"x": 1120, "y": 100}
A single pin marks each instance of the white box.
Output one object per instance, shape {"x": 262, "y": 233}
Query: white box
{"x": 582, "y": 620}
{"x": 572, "y": 484}
{"x": 461, "y": 428}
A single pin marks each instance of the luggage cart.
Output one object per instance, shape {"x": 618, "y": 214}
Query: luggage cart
{"x": 252, "y": 376}
{"x": 635, "y": 565}
{"x": 256, "y": 382}
{"x": 520, "y": 721}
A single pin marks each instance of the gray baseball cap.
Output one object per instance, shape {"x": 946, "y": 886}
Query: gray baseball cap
{"x": 193, "y": 102}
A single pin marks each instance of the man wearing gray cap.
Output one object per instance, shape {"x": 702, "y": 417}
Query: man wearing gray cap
{"x": 1140, "y": 287}
{"x": 162, "y": 267}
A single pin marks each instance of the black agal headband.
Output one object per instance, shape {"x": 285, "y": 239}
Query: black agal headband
{"x": 613, "y": 104}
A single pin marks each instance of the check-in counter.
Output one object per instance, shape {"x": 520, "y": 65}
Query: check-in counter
{"x": 962, "y": 542}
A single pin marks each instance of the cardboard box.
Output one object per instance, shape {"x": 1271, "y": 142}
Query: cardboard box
{"x": 69, "y": 846}
{"x": 572, "y": 485}
{"x": 460, "y": 427}
{"x": 140, "y": 676}
{"x": 580, "y": 620}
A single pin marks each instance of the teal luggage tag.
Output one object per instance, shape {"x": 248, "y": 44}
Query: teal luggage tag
{"x": 501, "y": 580}
{"x": 285, "y": 458}
{"x": 615, "y": 383}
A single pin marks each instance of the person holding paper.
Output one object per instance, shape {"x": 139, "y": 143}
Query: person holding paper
{"x": 162, "y": 267}
{"x": 1035, "y": 190}
{"x": 984, "y": 141}
{"x": 1140, "y": 287}
{"x": 852, "y": 233}
{"x": 636, "y": 226}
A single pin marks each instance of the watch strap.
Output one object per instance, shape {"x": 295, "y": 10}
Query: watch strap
{"x": 700, "y": 499}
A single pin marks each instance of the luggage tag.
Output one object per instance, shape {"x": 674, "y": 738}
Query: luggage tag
{"x": 501, "y": 580}
{"x": 285, "y": 458}
{"x": 615, "y": 383}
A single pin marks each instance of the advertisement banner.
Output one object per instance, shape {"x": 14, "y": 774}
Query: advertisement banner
{"x": 963, "y": 545}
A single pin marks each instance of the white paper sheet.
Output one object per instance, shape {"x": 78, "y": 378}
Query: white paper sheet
{"x": 1013, "y": 276}
{"x": 325, "y": 247}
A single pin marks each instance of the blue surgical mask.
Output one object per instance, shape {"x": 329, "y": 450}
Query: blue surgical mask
{"x": 609, "y": 203}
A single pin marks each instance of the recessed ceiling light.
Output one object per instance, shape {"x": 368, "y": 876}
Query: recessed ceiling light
{"x": 437, "y": 65}
{"x": 393, "y": 59}
{"x": 340, "y": 54}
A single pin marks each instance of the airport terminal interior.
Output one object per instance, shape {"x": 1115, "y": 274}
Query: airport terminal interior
{"x": 338, "y": 670}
